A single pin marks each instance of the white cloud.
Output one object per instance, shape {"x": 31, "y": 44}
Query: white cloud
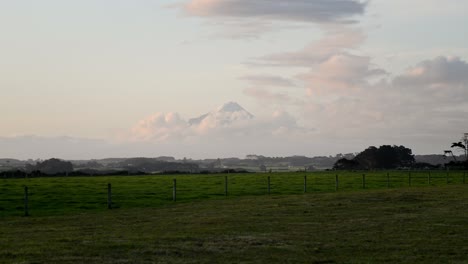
{"x": 227, "y": 124}
{"x": 160, "y": 127}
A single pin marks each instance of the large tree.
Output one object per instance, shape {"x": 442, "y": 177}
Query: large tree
{"x": 384, "y": 157}
{"x": 346, "y": 164}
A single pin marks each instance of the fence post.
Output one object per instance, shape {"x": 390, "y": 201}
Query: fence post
{"x": 464, "y": 177}
{"x": 225, "y": 185}
{"x": 174, "y": 190}
{"x": 447, "y": 177}
{"x": 364, "y": 181}
{"x": 26, "y": 201}
{"x": 336, "y": 182}
{"x": 109, "y": 196}
{"x": 429, "y": 178}
{"x": 388, "y": 180}
{"x": 409, "y": 179}
{"x": 268, "y": 184}
{"x": 305, "y": 183}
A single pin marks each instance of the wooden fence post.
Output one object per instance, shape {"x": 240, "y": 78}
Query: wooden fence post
{"x": 409, "y": 179}
{"x": 305, "y": 183}
{"x": 336, "y": 182}
{"x": 447, "y": 177}
{"x": 109, "y": 196}
{"x": 388, "y": 180}
{"x": 464, "y": 177}
{"x": 364, "y": 181}
{"x": 26, "y": 201}
{"x": 269, "y": 185}
{"x": 429, "y": 178}
{"x": 225, "y": 185}
{"x": 174, "y": 190}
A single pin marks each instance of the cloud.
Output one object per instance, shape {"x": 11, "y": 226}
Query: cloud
{"x": 332, "y": 68}
{"x": 340, "y": 72}
{"x": 349, "y": 99}
{"x": 266, "y": 96}
{"x": 223, "y": 124}
{"x": 331, "y": 65}
{"x": 425, "y": 103}
{"x": 160, "y": 127}
{"x": 439, "y": 72}
{"x": 269, "y": 81}
{"x": 249, "y": 29}
{"x": 316, "y": 11}
{"x": 335, "y": 42}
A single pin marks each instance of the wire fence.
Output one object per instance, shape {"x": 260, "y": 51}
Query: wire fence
{"x": 62, "y": 195}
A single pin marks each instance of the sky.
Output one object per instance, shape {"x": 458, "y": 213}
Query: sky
{"x": 94, "y": 79}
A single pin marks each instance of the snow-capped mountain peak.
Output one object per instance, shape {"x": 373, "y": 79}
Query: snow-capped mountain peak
{"x": 230, "y": 107}
{"x": 224, "y": 115}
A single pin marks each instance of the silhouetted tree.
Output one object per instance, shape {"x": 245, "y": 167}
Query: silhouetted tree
{"x": 462, "y": 146}
{"x": 405, "y": 156}
{"x": 346, "y": 164}
{"x": 368, "y": 158}
{"x": 384, "y": 157}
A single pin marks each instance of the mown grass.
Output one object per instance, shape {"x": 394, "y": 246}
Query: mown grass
{"x": 70, "y": 195}
{"x": 405, "y": 225}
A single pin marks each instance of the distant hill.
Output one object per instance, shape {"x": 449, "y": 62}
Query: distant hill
{"x": 435, "y": 159}
{"x": 250, "y": 162}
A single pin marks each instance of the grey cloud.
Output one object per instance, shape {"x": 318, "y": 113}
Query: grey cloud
{"x": 441, "y": 71}
{"x": 317, "y": 11}
{"x": 440, "y": 82}
{"x": 427, "y": 102}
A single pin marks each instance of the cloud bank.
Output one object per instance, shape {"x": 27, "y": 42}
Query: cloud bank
{"x": 344, "y": 95}
{"x": 348, "y": 98}
{"x": 226, "y": 123}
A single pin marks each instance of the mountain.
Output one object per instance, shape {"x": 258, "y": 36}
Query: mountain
{"x": 224, "y": 115}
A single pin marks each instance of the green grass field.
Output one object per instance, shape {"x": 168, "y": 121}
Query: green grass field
{"x": 404, "y": 225}
{"x": 70, "y": 195}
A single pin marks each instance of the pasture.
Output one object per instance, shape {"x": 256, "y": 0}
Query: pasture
{"x": 403, "y": 225}
{"x": 70, "y": 195}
